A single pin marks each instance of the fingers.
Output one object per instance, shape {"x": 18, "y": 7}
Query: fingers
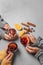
{"x": 7, "y": 37}
{"x": 30, "y": 51}
{"x": 32, "y": 48}
{"x": 9, "y": 57}
{"x": 32, "y": 36}
{"x": 29, "y": 47}
{"x": 15, "y": 36}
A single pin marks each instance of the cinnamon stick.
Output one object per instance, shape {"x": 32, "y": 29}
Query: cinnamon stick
{"x": 28, "y": 29}
{"x": 29, "y": 23}
{"x": 25, "y": 24}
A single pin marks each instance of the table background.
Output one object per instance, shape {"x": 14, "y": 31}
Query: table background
{"x": 17, "y": 11}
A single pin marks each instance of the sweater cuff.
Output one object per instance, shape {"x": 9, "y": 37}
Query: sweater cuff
{"x": 3, "y": 24}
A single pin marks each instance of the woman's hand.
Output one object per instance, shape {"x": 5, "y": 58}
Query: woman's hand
{"x": 10, "y": 37}
{"x": 32, "y": 38}
{"x": 8, "y": 59}
{"x": 7, "y": 37}
{"x": 9, "y": 56}
{"x": 32, "y": 49}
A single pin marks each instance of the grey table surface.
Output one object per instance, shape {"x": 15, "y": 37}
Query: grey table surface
{"x": 17, "y": 11}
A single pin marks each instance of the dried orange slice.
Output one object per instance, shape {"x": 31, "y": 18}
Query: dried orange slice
{"x": 21, "y": 33}
{"x": 18, "y": 27}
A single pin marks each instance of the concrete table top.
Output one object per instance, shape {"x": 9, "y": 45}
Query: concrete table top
{"x": 17, "y": 11}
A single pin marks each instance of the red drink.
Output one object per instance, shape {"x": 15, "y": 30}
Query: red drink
{"x": 12, "y": 47}
{"x": 25, "y": 40}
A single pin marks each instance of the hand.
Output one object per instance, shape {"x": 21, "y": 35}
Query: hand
{"x": 9, "y": 56}
{"x": 6, "y": 26}
{"x": 7, "y": 37}
{"x": 8, "y": 59}
{"x": 32, "y": 49}
{"x": 32, "y": 38}
{"x": 13, "y": 37}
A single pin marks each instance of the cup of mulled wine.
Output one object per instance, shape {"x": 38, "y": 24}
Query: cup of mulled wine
{"x": 25, "y": 40}
{"x": 12, "y": 47}
{"x": 12, "y": 31}
{"x": 13, "y": 34}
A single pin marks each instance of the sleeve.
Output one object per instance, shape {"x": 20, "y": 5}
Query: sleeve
{"x": 2, "y": 22}
{"x": 41, "y": 59}
{"x": 41, "y": 44}
{"x": 6, "y": 62}
{"x": 2, "y": 54}
{"x": 2, "y": 32}
{"x": 39, "y": 56}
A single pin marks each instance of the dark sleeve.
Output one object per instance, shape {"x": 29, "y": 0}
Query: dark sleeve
{"x": 2, "y": 22}
{"x": 2, "y": 25}
{"x": 41, "y": 59}
{"x": 39, "y": 56}
{"x": 41, "y": 44}
{"x": 2, "y": 32}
